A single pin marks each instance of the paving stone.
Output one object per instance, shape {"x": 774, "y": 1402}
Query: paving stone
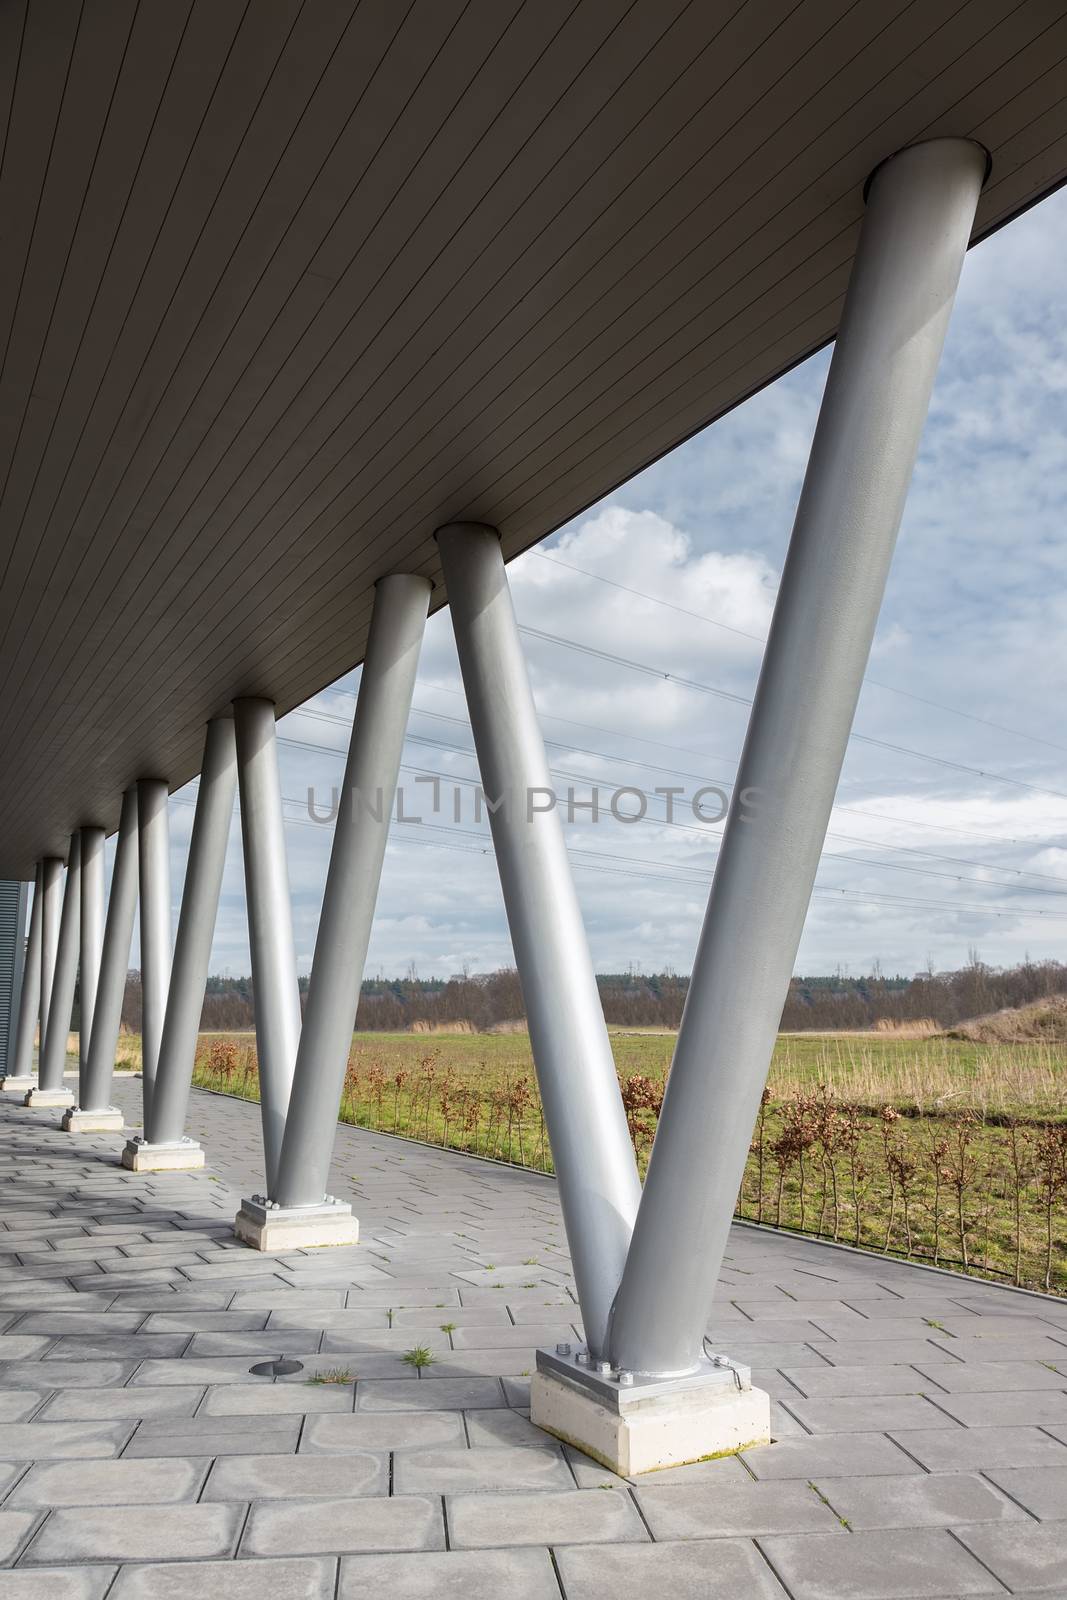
{"x": 437, "y": 1394}
{"x": 99, "y": 1483}
{"x": 732, "y": 1506}
{"x": 306, "y": 1527}
{"x": 864, "y": 1413}
{"x": 839, "y": 1382}
{"x": 1042, "y": 1490}
{"x": 920, "y": 1563}
{"x": 238, "y": 1399}
{"x": 890, "y": 1352}
{"x": 205, "y": 1321}
{"x": 462, "y": 1471}
{"x": 1034, "y": 1408}
{"x": 306, "y": 1578}
{"x": 14, "y": 1529}
{"x": 337, "y": 1435}
{"x": 233, "y": 1369}
{"x": 1024, "y": 1556}
{"x": 925, "y": 1500}
{"x": 831, "y": 1455}
{"x": 1004, "y": 1377}
{"x": 57, "y": 1323}
{"x": 219, "y": 1437}
{"x": 136, "y": 1533}
{"x": 453, "y": 1575}
{"x": 18, "y": 1403}
{"x": 58, "y": 1583}
{"x": 972, "y": 1449}
{"x": 267, "y": 1477}
{"x": 577, "y": 1516}
{"x": 64, "y": 1374}
{"x": 503, "y": 1427}
{"x": 54, "y": 1441}
{"x": 720, "y": 1569}
{"x": 83, "y": 1405}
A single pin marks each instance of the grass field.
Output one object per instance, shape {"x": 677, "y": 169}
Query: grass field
{"x": 939, "y": 1149}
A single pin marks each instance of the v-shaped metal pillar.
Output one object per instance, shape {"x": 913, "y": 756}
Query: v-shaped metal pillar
{"x": 645, "y": 1393}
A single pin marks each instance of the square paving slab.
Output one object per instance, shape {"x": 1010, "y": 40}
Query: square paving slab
{"x": 920, "y": 1419}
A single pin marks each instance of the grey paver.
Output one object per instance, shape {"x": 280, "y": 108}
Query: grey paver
{"x": 277, "y": 1477}
{"x": 834, "y": 1455}
{"x": 865, "y": 1413}
{"x": 1042, "y": 1490}
{"x": 51, "y": 1441}
{"x": 1025, "y": 1407}
{"x": 241, "y": 1400}
{"x": 101, "y": 1483}
{"x": 577, "y": 1516}
{"x": 996, "y": 1377}
{"x": 971, "y": 1449}
{"x": 919, "y": 1563}
{"x": 216, "y": 1436}
{"x": 721, "y": 1569}
{"x": 731, "y": 1505}
{"x": 924, "y": 1500}
{"x": 1025, "y": 1557}
{"x": 18, "y": 1403}
{"x": 430, "y": 1394}
{"x": 305, "y": 1578}
{"x": 825, "y": 1382}
{"x": 136, "y": 1533}
{"x": 462, "y": 1471}
{"x": 453, "y": 1575}
{"x": 58, "y": 1583}
{"x": 336, "y": 1435}
{"x": 85, "y": 1405}
{"x": 310, "y": 1527}
{"x": 14, "y": 1528}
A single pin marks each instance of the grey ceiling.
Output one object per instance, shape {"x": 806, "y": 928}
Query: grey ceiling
{"x": 285, "y": 285}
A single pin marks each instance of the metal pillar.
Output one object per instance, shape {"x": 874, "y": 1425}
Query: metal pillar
{"x": 20, "y": 1074}
{"x": 591, "y": 1149}
{"x": 165, "y": 1120}
{"x": 365, "y": 810}
{"x": 14, "y": 894}
{"x": 275, "y": 993}
{"x": 94, "y": 1088}
{"x": 92, "y": 936}
{"x": 51, "y": 904}
{"x": 153, "y": 861}
{"x": 50, "y": 1089}
{"x": 921, "y": 207}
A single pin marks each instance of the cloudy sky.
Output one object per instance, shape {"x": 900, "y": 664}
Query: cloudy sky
{"x": 956, "y": 839}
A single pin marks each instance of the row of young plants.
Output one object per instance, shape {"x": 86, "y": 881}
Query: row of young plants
{"x": 955, "y": 1190}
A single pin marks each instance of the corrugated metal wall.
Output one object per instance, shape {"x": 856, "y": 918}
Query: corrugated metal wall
{"x": 13, "y": 897}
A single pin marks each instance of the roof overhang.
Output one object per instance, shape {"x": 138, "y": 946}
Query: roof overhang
{"x": 283, "y": 287}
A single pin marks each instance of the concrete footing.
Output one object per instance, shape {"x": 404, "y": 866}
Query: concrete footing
{"x": 18, "y": 1085}
{"x": 177, "y": 1155}
{"x": 107, "y": 1120}
{"x": 650, "y": 1425}
{"x": 55, "y": 1098}
{"x": 266, "y": 1226}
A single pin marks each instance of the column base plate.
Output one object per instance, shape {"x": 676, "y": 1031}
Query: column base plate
{"x": 55, "y": 1098}
{"x": 177, "y": 1155}
{"x": 269, "y": 1227}
{"x": 107, "y": 1120}
{"x": 650, "y": 1425}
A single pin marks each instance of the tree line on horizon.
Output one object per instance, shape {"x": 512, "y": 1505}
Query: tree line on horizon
{"x": 493, "y": 1000}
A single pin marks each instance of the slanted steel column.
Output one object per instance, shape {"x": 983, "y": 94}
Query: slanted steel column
{"x": 153, "y": 862}
{"x": 14, "y": 894}
{"x": 54, "y": 1047}
{"x": 275, "y": 993}
{"x": 591, "y": 1149}
{"x": 94, "y": 1089}
{"x": 921, "y": 207}
{"x": 92, "y": 935}
{"x": 364, "y": 813}
{"x": 20, "y": 1074}
{"x": 51, "y": 908}
{"x": 165, "y": 1120}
